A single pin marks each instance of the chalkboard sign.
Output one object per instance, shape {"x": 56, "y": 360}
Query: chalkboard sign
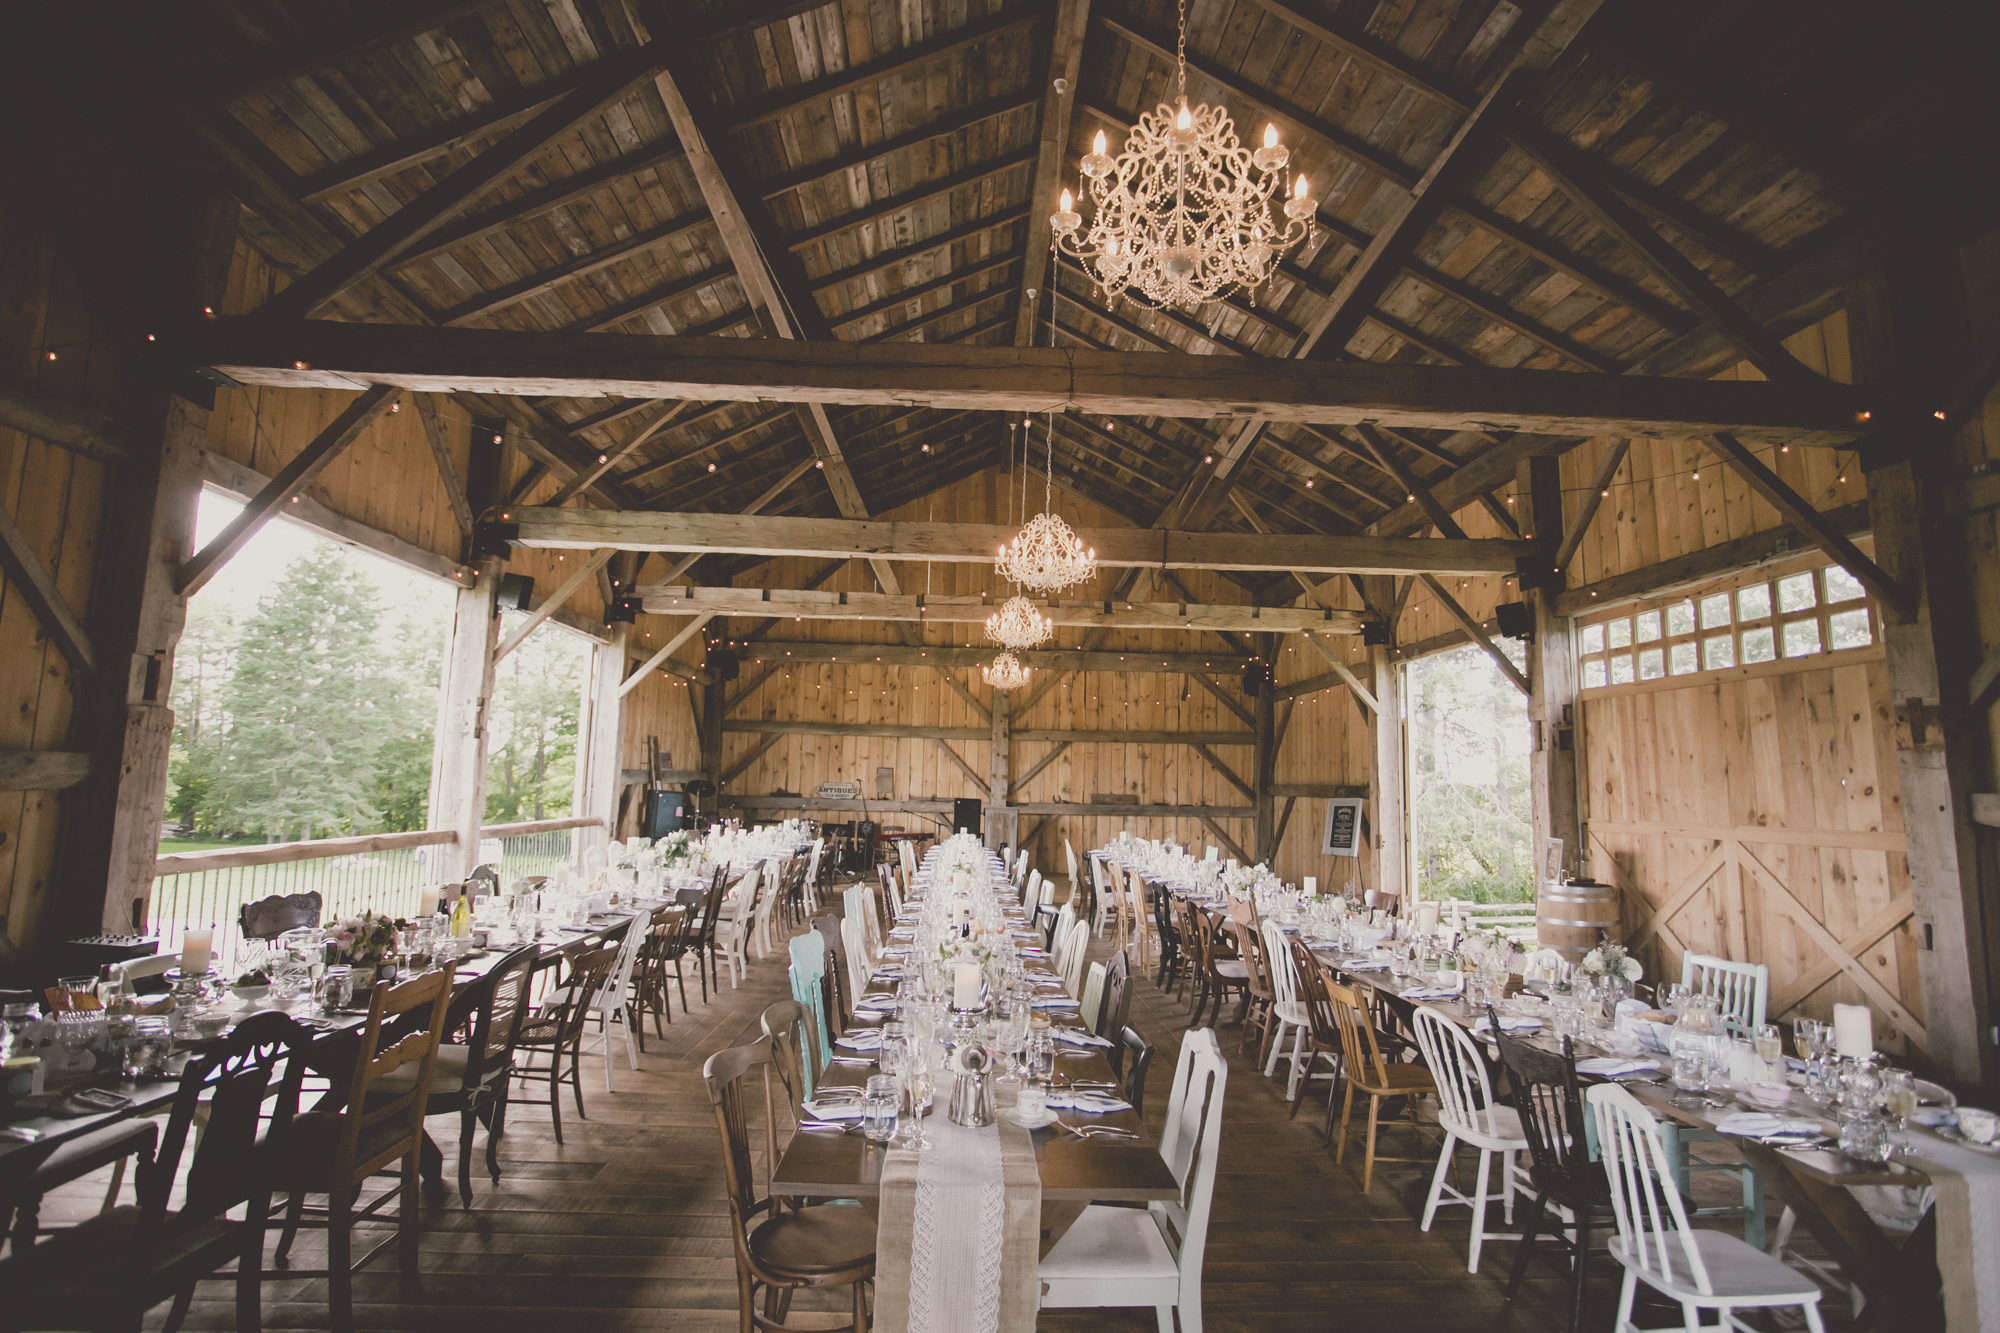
{"x": 837, "y": 791}
{"x": 1343, "y": 827}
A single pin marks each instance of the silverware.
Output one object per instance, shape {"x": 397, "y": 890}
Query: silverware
{"x": 837, "y": 1125}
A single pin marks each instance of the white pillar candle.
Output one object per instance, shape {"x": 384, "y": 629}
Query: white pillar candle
{"x": 1312, "y": 886}
{"x": 197, "y": 947}
{"x": 1853, "y": 1031}
{"x": 965, "y": 984}
{"x": 427, "y": 900}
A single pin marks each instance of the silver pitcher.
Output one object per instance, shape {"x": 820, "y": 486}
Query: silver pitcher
{"x": 972, "y": 1099}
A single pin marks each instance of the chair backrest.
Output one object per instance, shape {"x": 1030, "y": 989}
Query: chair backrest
{"x": 808, "y": 965}
{"x": 1741, "y": 990}
{"x": 1033, "y": 893}
{"x": 858, "y": 907}
{"x": 1069, "y": 855}
{"x": 1117, "y": 1005}
{"x": 268, "y": 918}
{"x": 618, "y": 982}
{"x": 1550, "y": 1105}
{"x": 1097, "y": 874}
{"x": 1375, "y": 900}
{"x": 488, "y": 1010}
{"x": 1092, "y": 1008}
{"x": 1256, "y": 968}
{"x": 1163, "y": 916}
{"x": 1079, "y": 945}
{"x": 1651, "y": 1218}
{"x": 1133, "y": 1078}
{"x": 1278, "y": 961}
{"x": 404, "y": 1109}
{"x": 1190, "y": 1142}
{"x": 1320, "y": 1020}
{"x": 1361, "y": 1056}
{"x": 711, "y": 908}
{"x": 857, "y": 956}
{"x": 255, "y": 1069}
{"x": 1465, "y": 1094}
{"x": 812, "y": 863}
{"x": 723, "y": 1074}
{"x": 589, "y": 974}
{"x": 785, "y": 1024}
{"x": 133, "y": 969}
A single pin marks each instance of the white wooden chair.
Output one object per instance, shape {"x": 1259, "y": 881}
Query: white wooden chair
{"x": 858, "y": 966}
{"x": 857, "y": 905}
{"x": 1699, "y": 1269}
{"x": 1069, "y": 855}
{"x": 614, "y": 999}
{"x": 1033, "y": 891}
{"x": 1135, "y": 905}
{"x": 1115, "y": 1257}
{"x": 737, "y": 920}
{"x": 1741, "y": 991}
{"x": 809, "y": 895}
{"x": 1469, "y": 1115}
{"x": 1074, "y": 956}
{"x": 1288, "y": 1012}
{"x": 1093, "y": 996}
{"x": 1021, "y": 877}
{"x": 767, "y": 903}
{"x": 133, "y": 969}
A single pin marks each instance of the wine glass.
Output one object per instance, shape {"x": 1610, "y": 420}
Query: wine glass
{"x": 1899, "y": 1089}
{"x": 1805, "y": 1037}
{"x": 1770, "y": 1046}
{"x": 922, "y": 1084}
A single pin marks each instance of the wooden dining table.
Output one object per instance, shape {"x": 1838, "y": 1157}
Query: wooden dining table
{"x": 1075, "y": 1172}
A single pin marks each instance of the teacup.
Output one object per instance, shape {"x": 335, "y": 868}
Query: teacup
{"x": 1031, "y": 1104}
{"x": 1980, "y": 1126}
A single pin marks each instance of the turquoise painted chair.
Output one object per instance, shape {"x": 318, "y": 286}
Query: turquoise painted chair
{"x": 1741, "y": 992}
{"x": 807, "y": 972}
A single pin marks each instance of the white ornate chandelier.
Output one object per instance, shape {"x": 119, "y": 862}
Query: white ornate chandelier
{"x": 1046, "y": 555}
{"x": 1006, "y": 672}
{"x": 1017, "y": 624}
{"x": 1184, "y": 212}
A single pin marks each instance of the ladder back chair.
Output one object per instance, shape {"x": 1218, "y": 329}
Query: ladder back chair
{"x": 779, "y": 1249}
{"x": 1323, "y": 1039}
{"x": 555, "y": 1030}
{"x": 806, "y": 974}
{"x": 1695, "y": 1268}
{"x": 666, "y": 944}
{"x": 1367, "y": 1072}
{"x": 1469, "y": 1114}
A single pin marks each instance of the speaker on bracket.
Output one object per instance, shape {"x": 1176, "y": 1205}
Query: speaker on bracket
{"x": 1515, "y": 621}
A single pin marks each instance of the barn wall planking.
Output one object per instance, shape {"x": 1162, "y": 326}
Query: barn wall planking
{"x": 57, "y": 499}
{"x": 1976, "y": 444}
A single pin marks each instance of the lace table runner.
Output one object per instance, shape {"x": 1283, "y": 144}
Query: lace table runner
{"x": 1968, "y": 1229}
{"x": 959, "y": 1233}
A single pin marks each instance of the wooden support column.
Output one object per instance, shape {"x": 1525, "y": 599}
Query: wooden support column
{"x": 1552, "y": 720}
{"x": 1387, "y": 823}
{"x": 1001, "y": 820}
{"x": 1263, "y": 721}
{"x": 458, "y": 753}
{"x": 601, "y": 727}
{"x": 1907, "y": 329}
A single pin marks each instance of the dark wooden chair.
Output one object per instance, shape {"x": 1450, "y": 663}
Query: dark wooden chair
{"x": 842, "y": 1005}
{"x": 702, "y": 942}
{"x": 1221, "y": 973}
{"x": 1322, "y": 1031}
{"x": 668, "y": 934}
{"x": 1115, "y": 1008}
{"x": 555, "y": 1030}
{"x": 473, "y": 1077}
{"x": 1132, "y": 1082}
{"x": 107, "y": 1272}
{"x": 1553, "y": 1120}
{"x": 268, "y": 918}
{"x": 1173, "y": 957}
{"x": 335, "y": 1152}
{"x": 780, "y": 1249}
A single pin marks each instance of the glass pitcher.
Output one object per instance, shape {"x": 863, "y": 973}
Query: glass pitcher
{"x": 1692, "y": 1046}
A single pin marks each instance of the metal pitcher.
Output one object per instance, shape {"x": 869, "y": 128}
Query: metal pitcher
{"x": 972, "y": 1099}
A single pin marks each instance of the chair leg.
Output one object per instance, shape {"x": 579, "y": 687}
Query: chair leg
{"x": 250, "y": 1266}
{"x": 576, "y": 1079}
{"x": 495, "y": 1127}
{"x": 1479, "y": 1210}
{"x": 467, "y": 1118}
{"x": 183, "y": 1299}
{"x": 409, "y": 1216}
{"x": 1577, "y": 1274}
{"x": 1437, "y": 1181}
{"x": 339, "y": 1259}
{"x": 295, "y": 1207}
{"x": 1346, "y": 1114}
{"x": 555, "y": 1093}
{"x": 861, "y": 1307}
{"x": 1528, "y": 1233}
{"x": 1368, "y": 1151}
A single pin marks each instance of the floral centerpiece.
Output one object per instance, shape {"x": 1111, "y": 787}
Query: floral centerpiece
{"x": 1497, "y": 947}
{"x": 673, "y": 849}
{"x": 363, "y": 941}
{"x": 1611, "y": 962}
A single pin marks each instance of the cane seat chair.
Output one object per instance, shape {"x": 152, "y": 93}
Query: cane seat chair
{"x": 780, "y": 1249}
{"x": 1367, "y": 1072}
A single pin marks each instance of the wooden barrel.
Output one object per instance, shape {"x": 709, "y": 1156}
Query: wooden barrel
{"x": 1571, "y": 918}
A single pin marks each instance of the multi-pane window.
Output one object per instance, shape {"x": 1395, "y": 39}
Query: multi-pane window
{"x": 1763, "y": 616}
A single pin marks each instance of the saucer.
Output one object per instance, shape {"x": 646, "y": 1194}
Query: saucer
{"x": 1047, "y": 1118}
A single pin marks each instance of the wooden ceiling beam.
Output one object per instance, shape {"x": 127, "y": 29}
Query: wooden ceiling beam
{"x": 975, "y": 269}
{"x": 974, "y": 543}
{"x": 544, "y": 440}
{"x": 654, "y": 298}
{"x": 609, "y": 460}
{"x": 56, "y": 420}
{"x": 1600, "y": 487}
{"x": 889, "y": 259}
{"x": 356, "y": 39}
{"x": 1289, "y": 447}
{"x": 681, "y": 599}
{"x": 730, "y": 436}
{"x": 910, "y": 198}
{"x": 435, "y": 141}
{"x": 544, "y": 280}
{"x": 610, "y": 80}
{"x": 938, "y": 314}
{"x": 863, "y": 154}
{"x": 330, "y": 354}
{"x": 1041, "y": 659}
{"x": 612, "y": 415}
{"x": 1060, "y": 58}
{"x": 780, "y": 101}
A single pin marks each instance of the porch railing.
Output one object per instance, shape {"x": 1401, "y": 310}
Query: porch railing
{"x": 378, "y": 872}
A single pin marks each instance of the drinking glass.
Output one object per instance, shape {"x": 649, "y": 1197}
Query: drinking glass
{"x": 879, "y": 1107}
{"x": 1806, "y": 1037}
{"x": 336, "y": 990}
{"x": 1041, "y": 1055}
{"x": 1010, "y": 1038}
{"x": 1673, "y": 997}
{"x": 1899, "y": 1089}
{"x": 923, "y": 1087}
{"x": 146, "y": 1050}
{"x": 1770, "y": 1046}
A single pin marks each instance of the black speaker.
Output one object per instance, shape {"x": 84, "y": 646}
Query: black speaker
{"x": 666, "y": 812}
{"x": 515, "y": 592}
{"x": 623, "y": 611}
{"x": 965, "y": 812}
{"x": 1257, "y": 677}
{"x": 1515, "y": 620}
{"x": 723, "y": 664}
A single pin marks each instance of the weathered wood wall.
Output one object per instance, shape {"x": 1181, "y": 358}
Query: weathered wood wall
{"x": 48, "y": 340}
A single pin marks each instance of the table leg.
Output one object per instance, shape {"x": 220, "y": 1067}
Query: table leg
{"x": 1058, "y": 1218}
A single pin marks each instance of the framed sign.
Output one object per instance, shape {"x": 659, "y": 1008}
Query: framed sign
{"x": 838, "y": 791}
{"x": 1552, "y": 860}
{"x": 1343, "y": 827}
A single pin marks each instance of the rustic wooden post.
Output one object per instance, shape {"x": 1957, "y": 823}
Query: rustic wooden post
{"x": 1387, "y": 822}
{"x": 1000, "y": 821}
{"x": 1907, "y": 330}
{"x": 1552, "y": 721}
{"x": 1263, "y": 711}
{"x": 465, "y": 684}
{"x": 601, "y": 728}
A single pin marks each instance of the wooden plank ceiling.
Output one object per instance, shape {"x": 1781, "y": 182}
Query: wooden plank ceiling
{"x": 892, "y": 144}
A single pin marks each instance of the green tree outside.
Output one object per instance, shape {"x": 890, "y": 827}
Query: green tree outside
{"x": 1469, "y": 794}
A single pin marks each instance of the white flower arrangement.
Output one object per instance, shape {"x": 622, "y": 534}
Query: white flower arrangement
{"x": 1609, "y": 960}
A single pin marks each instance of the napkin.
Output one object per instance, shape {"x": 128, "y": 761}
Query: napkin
{"x": 1605, "y": 1066}
{"x": 1935, "y": 1117}
{"x": 1433, "y": 993}
{"x": 1091, "y": 1103}
{"x": 836, "y": 1110}
{"x": 862, "y": 1039}
{"x": 876, "y": 1003}
{"x": 1364, "y": 967}
{"x": 1055, "y": 1002}
{"x": 1078, "y": 1037}
{"x": 1512, "y": 1023}
{"x": 1763, "y": 1125}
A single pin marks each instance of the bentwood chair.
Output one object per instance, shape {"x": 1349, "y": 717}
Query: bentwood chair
{"x": 788, "y": 1028}
{"x": 335, "y": 1152}
{"x": 1697, "y": 1269}
{"x": 555, "y": 1031}
{"x": 1116, "y": 1257}
{"x": 1469, "y": 1114}
{"x": 108, "y": 1271}
{"x": 1561, "y": 1172}
{"x": 1368, "y": 1073}
{"x": 779, "y": 1249}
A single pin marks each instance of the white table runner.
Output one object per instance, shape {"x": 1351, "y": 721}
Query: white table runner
{"x": 1968, "y": 1229}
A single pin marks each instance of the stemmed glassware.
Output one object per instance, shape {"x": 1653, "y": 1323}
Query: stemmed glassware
{"x": 922, "y": 1085}
{"x": 1010, "y": 1038}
